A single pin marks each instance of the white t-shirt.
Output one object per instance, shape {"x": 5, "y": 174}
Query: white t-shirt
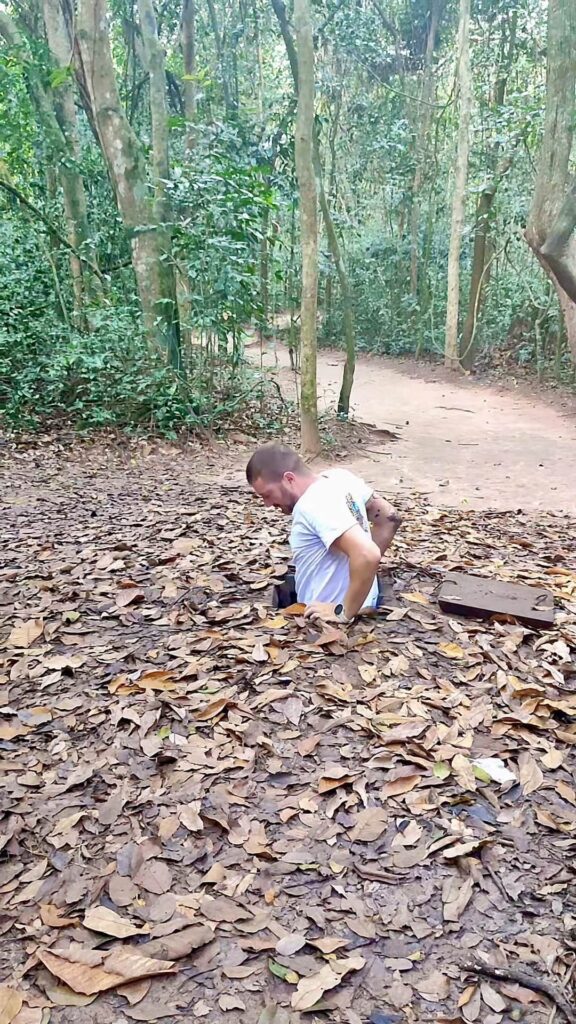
{"x": 331, "y": 506}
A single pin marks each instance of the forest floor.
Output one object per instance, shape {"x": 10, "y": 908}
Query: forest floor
{"x": 215, "y": 811}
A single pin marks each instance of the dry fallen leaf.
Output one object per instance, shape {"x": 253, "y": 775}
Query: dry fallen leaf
{"x": 154, "y": 876}
{"x": 456, "y": 895}
{"x": 435, "y": 987}
{"x": 32, "y": 1015}
{"x": 52, "y": 917}
{"x": 101, "y": 919}
{"x": 452, "y": 650}
{"x": 400, "y": 785}
{"x": 290, "y": 944}
{"x": 180, "y": 944}
{"x": 10, "y": 1004}
{"x": 88, "y": 972}
{"x": 229, "y": 1002}
{"x": 129, "y": 595}
{"x": 222, "y": 909}
{"x": 311, "y": 989}
{"x": 492, "y": 998}
{"x": 25, "y": 633}
{"x": 190, "y": 817}
{"x": 135, "y": 991}
{"x": 464, "y": 772}
{"x": 370, "y": 824}
{"x": 531, "y": 777}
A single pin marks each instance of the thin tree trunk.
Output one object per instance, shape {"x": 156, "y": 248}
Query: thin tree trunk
{"x": 155, "y": 64}
{"x": 451, "y": 353}
{"x": 153, "y": 271}
{"x": 422, "y": 143}
{"x": 479, "y": 277}
{"x": 189, "y": 58}
{"x": 308, "y": 225}
{"x": 58, "y": 119}
{"x": 154, "y": 56}
{"x": 345, "y": 290}
{"x": 332, "y": 238}
{"x": 258, "y": 43}
{"x": 551, "y": 228}
{"x": 219, "y": 42}
{"x": 265, "y": 274}
{"x": 85, "y": 285}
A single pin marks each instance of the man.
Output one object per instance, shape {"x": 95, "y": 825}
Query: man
{"x": 335, "y": 552}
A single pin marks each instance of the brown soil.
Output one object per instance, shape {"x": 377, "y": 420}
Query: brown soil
{"x": 462, "y": 442}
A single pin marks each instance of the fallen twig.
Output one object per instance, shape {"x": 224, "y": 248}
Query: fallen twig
{"x": 528, "y": 980}
{"x": 374, "y": 875}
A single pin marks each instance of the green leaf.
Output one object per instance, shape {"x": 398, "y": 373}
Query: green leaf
{"x": 441, "y": 770}
{"x": 279, "y": 971}
{"x": 59, "y": 76}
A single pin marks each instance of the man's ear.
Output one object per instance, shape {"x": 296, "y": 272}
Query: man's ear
{"x": 289, "y": 477}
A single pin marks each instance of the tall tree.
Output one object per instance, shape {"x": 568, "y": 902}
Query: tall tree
{"x": 56, "y": 113}
{"x": 551, "y": 228}
{"x": 331, "y": 235}
{"x": 153, "y": 268}
{"x": 451, "y": 351}
{"x": 304, "y": 141}
{"x": 425, "y": 105}
{"x": 188, "y": 28}
{"x": 498, "y": 166}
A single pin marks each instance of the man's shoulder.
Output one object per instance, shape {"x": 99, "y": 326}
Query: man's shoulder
{"x": 332, "y": 493}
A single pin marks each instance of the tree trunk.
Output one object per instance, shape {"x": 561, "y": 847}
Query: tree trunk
{"x": 189, "y": 58}
{"x": 480, "y": 276}
{"x": 219, "y": 42}
{"x": 154, "y": 272}
{"x": 86, "y": 285}
{"x": 345, "y": 289}
{"x": 422, "y": 142}
{"x": 265, "y": 275}
{"x": 154, "y": 57}
{"x": 478, "y": 280}
{"x": 58, "y": 119}
{"x": 551, "y": 228}
{"x": 308, "y": 225}
{"x": 451, "y": 354}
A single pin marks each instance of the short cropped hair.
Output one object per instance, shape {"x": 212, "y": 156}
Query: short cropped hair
{"x": 272, "y": 460}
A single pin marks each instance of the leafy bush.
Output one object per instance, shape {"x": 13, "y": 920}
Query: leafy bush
{"x": 110, "y": 378}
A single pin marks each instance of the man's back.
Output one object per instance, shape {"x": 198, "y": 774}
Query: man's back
{"x": 333, "y": 504}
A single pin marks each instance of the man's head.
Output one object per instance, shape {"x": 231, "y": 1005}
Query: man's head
{"x": 279, "y": 476}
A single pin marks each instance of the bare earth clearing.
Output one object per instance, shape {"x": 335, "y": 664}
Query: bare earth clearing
{"x": 463, "y": 443}
{"x": 254, "y": 820}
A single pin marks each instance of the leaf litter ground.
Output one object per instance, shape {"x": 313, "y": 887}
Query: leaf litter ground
{"x": 211, "y": 809}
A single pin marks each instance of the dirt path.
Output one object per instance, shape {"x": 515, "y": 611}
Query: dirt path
{"x": 462, "y": 443}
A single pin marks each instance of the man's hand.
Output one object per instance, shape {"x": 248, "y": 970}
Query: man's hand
{"x": 321, "y": 611}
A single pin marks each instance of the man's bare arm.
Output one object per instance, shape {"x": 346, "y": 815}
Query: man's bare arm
{"x": 364, "y": 558}
{"x": 384, "y": 520}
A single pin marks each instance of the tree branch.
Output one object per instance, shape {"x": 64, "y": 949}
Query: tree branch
{"x": 16, "y": 194}
{"x": 279, "y": 8}
{"x": 528, "y": 980}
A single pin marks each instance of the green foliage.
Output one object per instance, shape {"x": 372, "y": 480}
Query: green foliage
{"x": 234, "y": 217}
{"x": 109, "y": 378}
{"x": 50, "y": 372}
{"x": 223, "y": 201}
